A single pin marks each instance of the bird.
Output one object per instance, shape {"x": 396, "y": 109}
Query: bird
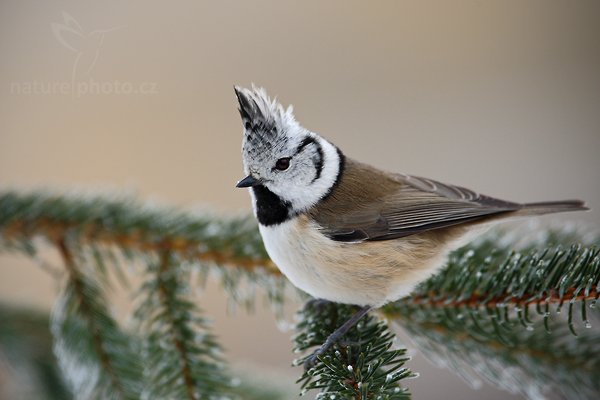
{"x": 344, "y": 231}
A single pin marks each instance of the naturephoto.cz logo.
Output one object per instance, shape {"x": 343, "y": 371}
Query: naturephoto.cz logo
{"x": 86, "y": 49}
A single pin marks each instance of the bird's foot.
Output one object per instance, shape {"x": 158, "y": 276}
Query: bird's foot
{"x": 335, "y": 337}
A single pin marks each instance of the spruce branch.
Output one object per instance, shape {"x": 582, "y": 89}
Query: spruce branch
{"x": 530, "y": 362}
{"x": 488, "y": 312}
{"x": 88, "y": 339}
{"x": 509, "y": 286}
{"x": 167, "y": 300}
{"x": 26, "y": 349}
{"x": 362, "y": 366}
{"x": 181, "y": 355}
{"x": 131, "y": 227}
{"x": 116, "y": 230}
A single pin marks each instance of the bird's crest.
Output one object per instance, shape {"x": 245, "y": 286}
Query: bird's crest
{"x": 261, "y": 115}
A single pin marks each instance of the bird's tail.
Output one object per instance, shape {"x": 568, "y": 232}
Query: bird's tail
{"x": 549, "y": 207}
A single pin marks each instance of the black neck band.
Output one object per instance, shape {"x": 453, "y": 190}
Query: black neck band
{"x": 270, "y": 208}
{"x": 338, "y": 178}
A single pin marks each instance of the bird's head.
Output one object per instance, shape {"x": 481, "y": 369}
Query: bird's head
{"x": 297, "y": 165}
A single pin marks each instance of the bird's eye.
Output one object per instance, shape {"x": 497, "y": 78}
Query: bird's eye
{"x": 282, "y": 164}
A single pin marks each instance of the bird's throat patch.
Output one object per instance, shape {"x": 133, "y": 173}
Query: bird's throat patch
{"x": 270, "y": 208}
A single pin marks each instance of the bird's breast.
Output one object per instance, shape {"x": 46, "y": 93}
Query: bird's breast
{"x": 367, "y": 273}
{"x": 295, "y": 247}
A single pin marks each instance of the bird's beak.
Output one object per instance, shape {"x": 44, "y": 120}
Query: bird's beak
{"x": 248, "y": 181}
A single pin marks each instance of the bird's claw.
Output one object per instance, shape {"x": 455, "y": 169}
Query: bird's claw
{"x": 334, "y": 338}
{"x": 312, "y": 360}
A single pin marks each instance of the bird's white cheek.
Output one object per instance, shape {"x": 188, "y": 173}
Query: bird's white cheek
{"x": 303, "y": 190}
{"x": 299, "y": 195}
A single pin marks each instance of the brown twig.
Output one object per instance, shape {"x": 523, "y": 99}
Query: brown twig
{"x": 481, "y": 300}
{"x": 134, "y": 240}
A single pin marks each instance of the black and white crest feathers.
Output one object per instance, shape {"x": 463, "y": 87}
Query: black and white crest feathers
{"x": 260, "y": 114}
{"x": 267, "y": 124}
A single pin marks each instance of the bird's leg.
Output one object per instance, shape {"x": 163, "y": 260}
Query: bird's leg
{"x": 335, "y": 336}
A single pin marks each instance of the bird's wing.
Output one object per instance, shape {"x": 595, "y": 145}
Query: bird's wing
{"x": 409, "y": 206}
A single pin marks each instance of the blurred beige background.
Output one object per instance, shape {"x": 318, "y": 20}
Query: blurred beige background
{"x": 499, "y": 96}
